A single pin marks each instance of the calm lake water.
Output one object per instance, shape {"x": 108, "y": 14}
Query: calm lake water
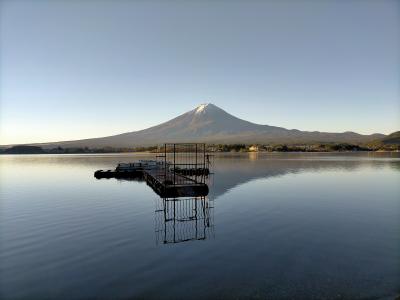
{"x": 274, "y": 226}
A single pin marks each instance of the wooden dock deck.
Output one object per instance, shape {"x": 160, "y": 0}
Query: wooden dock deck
{"x": 167, "y": 183}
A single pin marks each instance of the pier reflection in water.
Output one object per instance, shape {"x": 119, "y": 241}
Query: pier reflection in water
{"x": 183, "y": 219}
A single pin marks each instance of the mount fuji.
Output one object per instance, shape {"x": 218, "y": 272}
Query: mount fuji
{"x": 211, "y": 124}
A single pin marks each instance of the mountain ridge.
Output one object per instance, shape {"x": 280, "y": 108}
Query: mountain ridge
{"x": 210, "y": 124}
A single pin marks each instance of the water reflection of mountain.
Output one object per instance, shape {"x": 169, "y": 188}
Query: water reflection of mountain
{"x": 233, "y": 170}
{"x": 183, "y": 219}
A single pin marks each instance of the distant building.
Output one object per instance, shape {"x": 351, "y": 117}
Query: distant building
{"x": 253, "y": 148}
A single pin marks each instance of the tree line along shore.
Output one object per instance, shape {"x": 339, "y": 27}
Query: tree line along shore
{"x": 328, "y": 147}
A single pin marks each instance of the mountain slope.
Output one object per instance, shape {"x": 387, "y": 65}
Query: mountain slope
{"x": 209, "y": 123}
{"x": 389, "y": 140}
{"x": 392, "y": 139}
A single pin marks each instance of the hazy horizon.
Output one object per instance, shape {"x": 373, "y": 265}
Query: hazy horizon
{"x": 74, "y": 70}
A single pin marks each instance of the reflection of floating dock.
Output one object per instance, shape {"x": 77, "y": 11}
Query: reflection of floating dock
{"x": 183, "y": 219}
{"x": 180, "y": 172}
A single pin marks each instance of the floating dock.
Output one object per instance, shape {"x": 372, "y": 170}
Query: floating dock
{"x": 167, "y": 183}
{"x": 118, "y": 174}
{"x": 181, "y": 172}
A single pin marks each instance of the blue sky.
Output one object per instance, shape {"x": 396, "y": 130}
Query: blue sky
{"x": 80, "y": 69}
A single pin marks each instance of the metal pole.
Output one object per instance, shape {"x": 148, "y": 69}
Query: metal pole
{"x": 174, "y": 164}
{"x": 195, "y": 168}
{"x": 204, "y": 161}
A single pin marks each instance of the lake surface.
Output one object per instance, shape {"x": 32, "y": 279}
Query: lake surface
{"x": 274, "y": 226}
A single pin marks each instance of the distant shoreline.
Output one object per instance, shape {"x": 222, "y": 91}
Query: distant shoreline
{"x": 220, "y": 152}
{"x": 220, "y": 148}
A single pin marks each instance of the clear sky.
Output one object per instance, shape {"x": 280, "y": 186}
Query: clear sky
{"x": 80, "y": 69}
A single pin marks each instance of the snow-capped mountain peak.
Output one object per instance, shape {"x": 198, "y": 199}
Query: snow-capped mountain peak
{"x": 201, "y": 108}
